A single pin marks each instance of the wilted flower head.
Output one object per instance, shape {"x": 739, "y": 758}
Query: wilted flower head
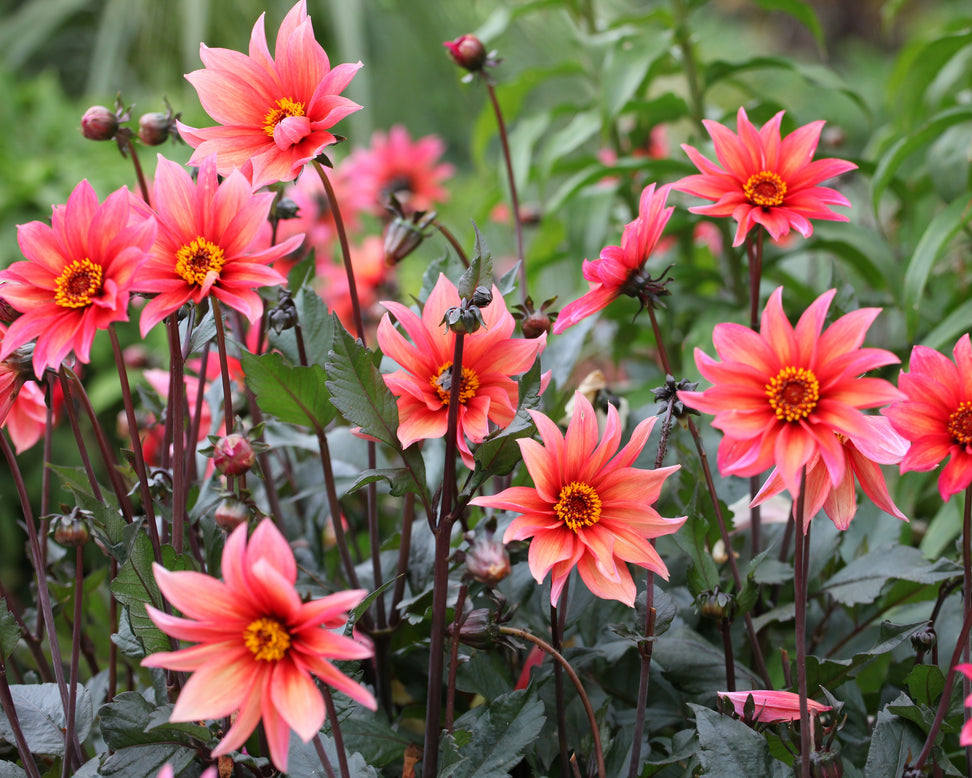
{"x": 764, "y": 179}
{"x": 258, "y": 643}
{"x": 274, "y": 113}
{"x": 589, "y": 507}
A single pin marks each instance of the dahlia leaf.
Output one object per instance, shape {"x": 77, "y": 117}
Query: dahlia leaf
{"x": 316, "y": 330}
{"x": 9, "y": 632}
{"x": 731, "y": 749}
{"x": 894, "y": 742}
{"x": 292, "y": 393}
{"x": 480, "y": 270}
{"x": 40, "y": 712}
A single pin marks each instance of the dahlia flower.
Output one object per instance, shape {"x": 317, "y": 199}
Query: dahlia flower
{"x": 936, "y": 415}
{"x": 77, "y": 275}
{"x": 620, "y": 269}
{"x": 783, "y": 395}
{"x": 207, "y": 243}
{"x": 772, "y": 707}
{"x": 588, "y": 507}
{"x": 863, "y": 459}
{"x": 965, "y": 738}
{"x": 766, "y": 180}
{"x": 394, "y": 164}
{"x": 258, "y": 644}
{"x": 274, "y": 112}
{"x": 490, "y": 357}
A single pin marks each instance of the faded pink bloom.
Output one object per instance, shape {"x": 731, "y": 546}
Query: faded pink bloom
{"x": 490, "y": 357}
{"x": 274, "y": 113}
{"x": 863, "y": 457}
{"x": 765, "y": 179}
{"x": 258, "y": 643}
{"x": 77, "y": 275}
{"x": 394, "y": 164}
{"x": 781, "y": 394}
{"x": 936, "y": 415}
{"x": 620, "y": 269}
{"x": 773, "y": 707}
{"x": 589, "y": 507}
{"x": 207, "y": 243}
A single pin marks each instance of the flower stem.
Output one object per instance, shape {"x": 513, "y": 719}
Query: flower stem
{"x": 70, "y": 732}
{"x": 442, "y": 529}
{"x": 511, "y": 179}
{"x": 967, "y": 601}
{"x": 176, "y": 417}
{"x": 755, "y": 252}
{"x": 684, "y": 40}
{"x": 10, "y": 711}
{"x": 139, "y": 175}
{"x": 332, "y": 717}
{"x": 322, "y": 755}
{"x": 447, "y": 234}
{"x": 801, "y": 553}
{"x": 223, "y": 366}
{"x": 404, "y": 549}
{"x": 559, "y": 658}
{"x": 457, "y": 623}
{"x": 736, "y": 577}
{"x": 557, "y": 637}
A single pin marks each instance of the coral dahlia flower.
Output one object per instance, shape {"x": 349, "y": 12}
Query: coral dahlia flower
{"x": 394, "y": 164}
{"x": 588, "y": 507}
{"x": 783, "y": 395}
{"x": 620, "y": 269}
{"x": 258, "y": 643}
{"x": 490, "y": 357}
{"x": 965, "y": 738}
{"x": 208, "y": 243}
{"x": 772, "y": 707}
{"x": 766, "y": 180}
{"x": 863, "y": 460}
{"x": 936, "y": 415}
{"x": 77, "y": 275}
{"x": 274, "y": 112}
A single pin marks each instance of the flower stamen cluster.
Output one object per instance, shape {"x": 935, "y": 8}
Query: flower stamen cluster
{"x": 267, "y": 639}
{"x": 286, "y": 108}
{"x": 197, "y": 259}
{"x": 578, "y": 506}
{"x": 793, "y": 393}
{"x": 765, "y": 189}
{"x": 442, "y": 383}
{"x": 78, "y": 285}
{"x": 960, "y": 424}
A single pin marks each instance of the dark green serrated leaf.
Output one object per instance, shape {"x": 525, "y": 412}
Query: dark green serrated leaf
{"x": 499, "y": 732}
{"x": 316, "y": 326}
{"x": 148, "y": 760}
{"x": 108, "y": 525}
{"x": 833, "y": 672}
{"x": 135, "y": 587}
{"x": 925, "y": 683}
{"x": 704, "y": 575}
{"x": 894, "y": 742}
{"x": 862, "y": 580}
{"x": 131, "y": 720}
{"x": 10, "y": 770}
{"x": 374, "y": 740}
{"x": 303, "y": 760}
{"x": 9, "y": 632}
{"x": 730, "y": 749}
{"x": 399, "y": 478}
{"x": 293, "y": 394}
{"x": 41, "y": 715}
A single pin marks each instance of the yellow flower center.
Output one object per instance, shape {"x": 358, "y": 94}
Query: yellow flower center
{"x": 198, "y": 259}
{"x": 442, "y": 383}
{"x": 793, "y": 393}
{"x": 960, "y": 424}
{"x": 268, "y": 639}
{"x": 578, "y": 505}
{"x": 77, "y": 286}
{"x": 765, "y": 189}
{"x": 285, "y": 107}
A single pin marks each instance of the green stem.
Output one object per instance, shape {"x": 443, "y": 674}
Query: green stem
{"x": 684, "y": 40}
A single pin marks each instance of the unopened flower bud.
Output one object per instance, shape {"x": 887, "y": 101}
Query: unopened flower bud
{"x": 924, "y": 639}
{"x": 154, "y": 129}
{"x": 405, "y": 232}
{"x": 468, "y": 52}
{"x": 70, "y": 529}
{"x": 463, "y": 320}
{"x": 99, "y": 123}
{"x": 230, "y": 513}
{"x": 487, "y": 560}
{"x": 233, "y": 455}
{"x": 826, "y": 764}
{"x": 535, "y": 324}
{"x": 715, "y": 604}
{"x": 7, "y": 312}
{"x": 478, "y": 629}
{"x": 286, "y": 208}
{"x": 482, "y": 297}
{"x": 283, "y": 316}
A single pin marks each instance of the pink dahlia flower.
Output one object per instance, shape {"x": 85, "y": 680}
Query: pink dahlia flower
{"x": 207, "y": 243}
{"x": 77, "y": 275}
{"x": 258, "y": 644}
{"x": 783, "y": 395}
{"x": 588, "y": 507}
{"x": 394, "y": 164}
{"x": 490, "y": 357}
{"x": 936, "y": 415}
{"x": 766, "y": 180}
{"x": 965, "y": 738}
{"x": 620, "y": 269}
{"x": 773, "y": 707}
{"x": 274, "y": 113}
{"x": 863, "y": 459}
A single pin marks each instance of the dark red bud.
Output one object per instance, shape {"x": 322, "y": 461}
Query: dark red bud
{"x": 233, "y": 455}
{"x": 230, "y": 513}
{"x": 99, "y": 123}
{"x": 468, "y": 52}
{"x": 154, "y": 128}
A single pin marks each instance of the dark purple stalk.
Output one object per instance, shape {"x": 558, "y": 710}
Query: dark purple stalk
{"x": 755, "y": 252}
{"x": 447, "y": 234}
{"x": 139, "y": 175}
{"x": 457, "y": 622}
{"x": 511, "y": 180}
{"x": 10, "y": 711}
{"x": 336, "y": 732}
{"x": 557, "y": 640}
{"x": 140, "y": 469}
{"x": 801, "y": 559}
{"x": 562, "y": 662}
{"x": 69, "y": 732}
{"x": 223, "y": 365}
{"x": 442, "y": 529}
{"x": 967, "y": 601}
{"x": 176, "y": 417}
{"x": 322, "y": 755}
{"x": 404, "y": 548}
